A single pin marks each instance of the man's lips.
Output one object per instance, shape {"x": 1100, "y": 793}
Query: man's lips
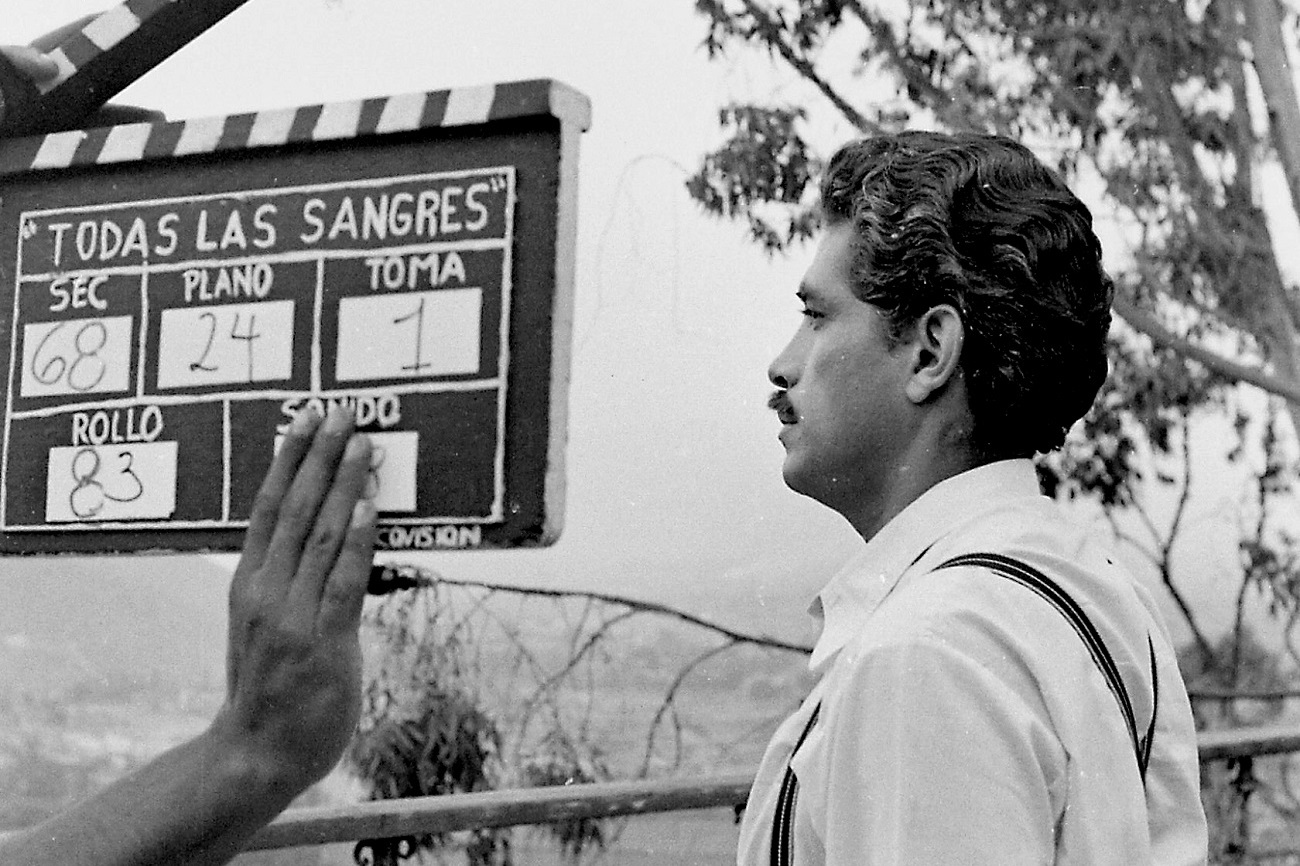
{"x": 779, "y": 402}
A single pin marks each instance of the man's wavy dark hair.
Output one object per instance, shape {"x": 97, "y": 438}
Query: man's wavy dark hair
{"x": 976, "y": 221}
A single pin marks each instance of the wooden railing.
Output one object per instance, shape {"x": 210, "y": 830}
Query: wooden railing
{"x": 1235, "y": 743}
{"x": 385, "y": 819}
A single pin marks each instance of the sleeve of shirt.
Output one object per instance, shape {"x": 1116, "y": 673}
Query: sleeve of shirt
{"x": 932, "y": 755}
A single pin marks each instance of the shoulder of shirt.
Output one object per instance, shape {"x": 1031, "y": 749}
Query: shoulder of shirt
{"x": 946, "y": 604}
{"x": 950, "y": 608}
{"x": 971, "y": 615}
{"x": 974, "y": 630}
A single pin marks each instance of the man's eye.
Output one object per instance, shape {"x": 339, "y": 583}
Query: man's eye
{"x": 810, "y": 313}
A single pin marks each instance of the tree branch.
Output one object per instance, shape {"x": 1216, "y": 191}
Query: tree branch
{"x": 1268, "y": 52}
{"x": 904, "y": 62}
{"x": 671, "y": 696}
{"x": 1143, "y": 322}
{"x": 772, "y": 33}
{"x": 1166, "y": 556}
{"x": 413, "y": 576}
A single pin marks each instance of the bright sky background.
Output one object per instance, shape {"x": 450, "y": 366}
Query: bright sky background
{"x": 674, "y": 488}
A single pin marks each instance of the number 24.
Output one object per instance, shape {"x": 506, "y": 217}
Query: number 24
{"x": 247, "y": 336}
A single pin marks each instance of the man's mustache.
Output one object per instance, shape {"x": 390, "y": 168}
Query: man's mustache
{"x": 780, "y": 403}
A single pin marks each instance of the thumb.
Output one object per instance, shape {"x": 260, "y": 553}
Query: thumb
{"x": 28, "y": 61}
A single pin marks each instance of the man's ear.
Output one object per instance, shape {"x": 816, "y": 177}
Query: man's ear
{"x": 938, "y": 339}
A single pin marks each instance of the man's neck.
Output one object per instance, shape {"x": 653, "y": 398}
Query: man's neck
{"x": 912, "y": 477}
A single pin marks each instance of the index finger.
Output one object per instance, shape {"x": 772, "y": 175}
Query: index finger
{"x": 301, "y": 504}
{"x": 275, "y": 486}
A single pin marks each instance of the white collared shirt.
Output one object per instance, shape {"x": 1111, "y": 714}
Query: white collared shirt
{"x": 962, "y": 719}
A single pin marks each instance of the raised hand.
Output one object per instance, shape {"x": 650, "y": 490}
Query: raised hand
{"x": 295, "y": 604}
{"x": 293, "y": 677}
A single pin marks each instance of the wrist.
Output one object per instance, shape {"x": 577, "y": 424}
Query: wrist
{"x": 260, "y": 776}
{"x": 197, "y": 803}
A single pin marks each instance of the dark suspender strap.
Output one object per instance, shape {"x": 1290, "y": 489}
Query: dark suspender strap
{"x": 1041, "y": 584}
{"x": 783, "y": 820}
{"x": 1030, "y": 577}
{"x": 1155, "y": 707}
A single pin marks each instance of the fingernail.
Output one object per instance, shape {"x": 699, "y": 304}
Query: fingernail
{"x": 362, "y": 513}
{"x": 303, "y": 421}
{"x": 358, "y": 445}
{"x": 337, "y": 418}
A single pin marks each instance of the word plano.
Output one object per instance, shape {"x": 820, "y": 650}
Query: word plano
{"x": 251, "y": 280}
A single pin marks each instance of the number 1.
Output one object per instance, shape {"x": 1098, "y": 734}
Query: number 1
{"x": 418, "y": 315}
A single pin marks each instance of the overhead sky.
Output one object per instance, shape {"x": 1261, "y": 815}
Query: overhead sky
{"x": 674, "y": 489}
{"x": 673, "y": 466}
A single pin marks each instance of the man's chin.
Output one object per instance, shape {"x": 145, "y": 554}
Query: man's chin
{"x": 807, "y": 481}
{"x": 795, "y": 475}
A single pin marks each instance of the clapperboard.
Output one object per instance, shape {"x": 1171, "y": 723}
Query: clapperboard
{"x": 179, "y": 290}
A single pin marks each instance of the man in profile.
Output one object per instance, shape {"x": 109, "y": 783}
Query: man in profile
{"x": 993, "y": 688}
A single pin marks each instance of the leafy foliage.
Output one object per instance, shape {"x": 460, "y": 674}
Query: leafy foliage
{"x": 1149, "y": 97}
{"x": 422, "y": 733}
{"x": 560, "y": 761}
{"x": 473, "y": 686}
{"x": 1143, "y": 104}
{"x": 763, "y": 162}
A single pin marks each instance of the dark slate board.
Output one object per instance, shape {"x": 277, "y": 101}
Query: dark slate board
{"x": 179, "y": 289}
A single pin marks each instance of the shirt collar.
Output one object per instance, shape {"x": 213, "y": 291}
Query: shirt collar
{"x": 857, "y": 589}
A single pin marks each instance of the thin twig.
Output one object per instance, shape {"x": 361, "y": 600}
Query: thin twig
{"x": 669, "y": 701}
{"x": 634, "y": 604}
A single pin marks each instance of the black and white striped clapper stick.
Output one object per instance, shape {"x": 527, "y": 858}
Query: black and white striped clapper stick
{"x": 99, "y": 58}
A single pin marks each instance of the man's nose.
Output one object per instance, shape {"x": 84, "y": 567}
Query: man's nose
{"x": 783, "y": 371}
